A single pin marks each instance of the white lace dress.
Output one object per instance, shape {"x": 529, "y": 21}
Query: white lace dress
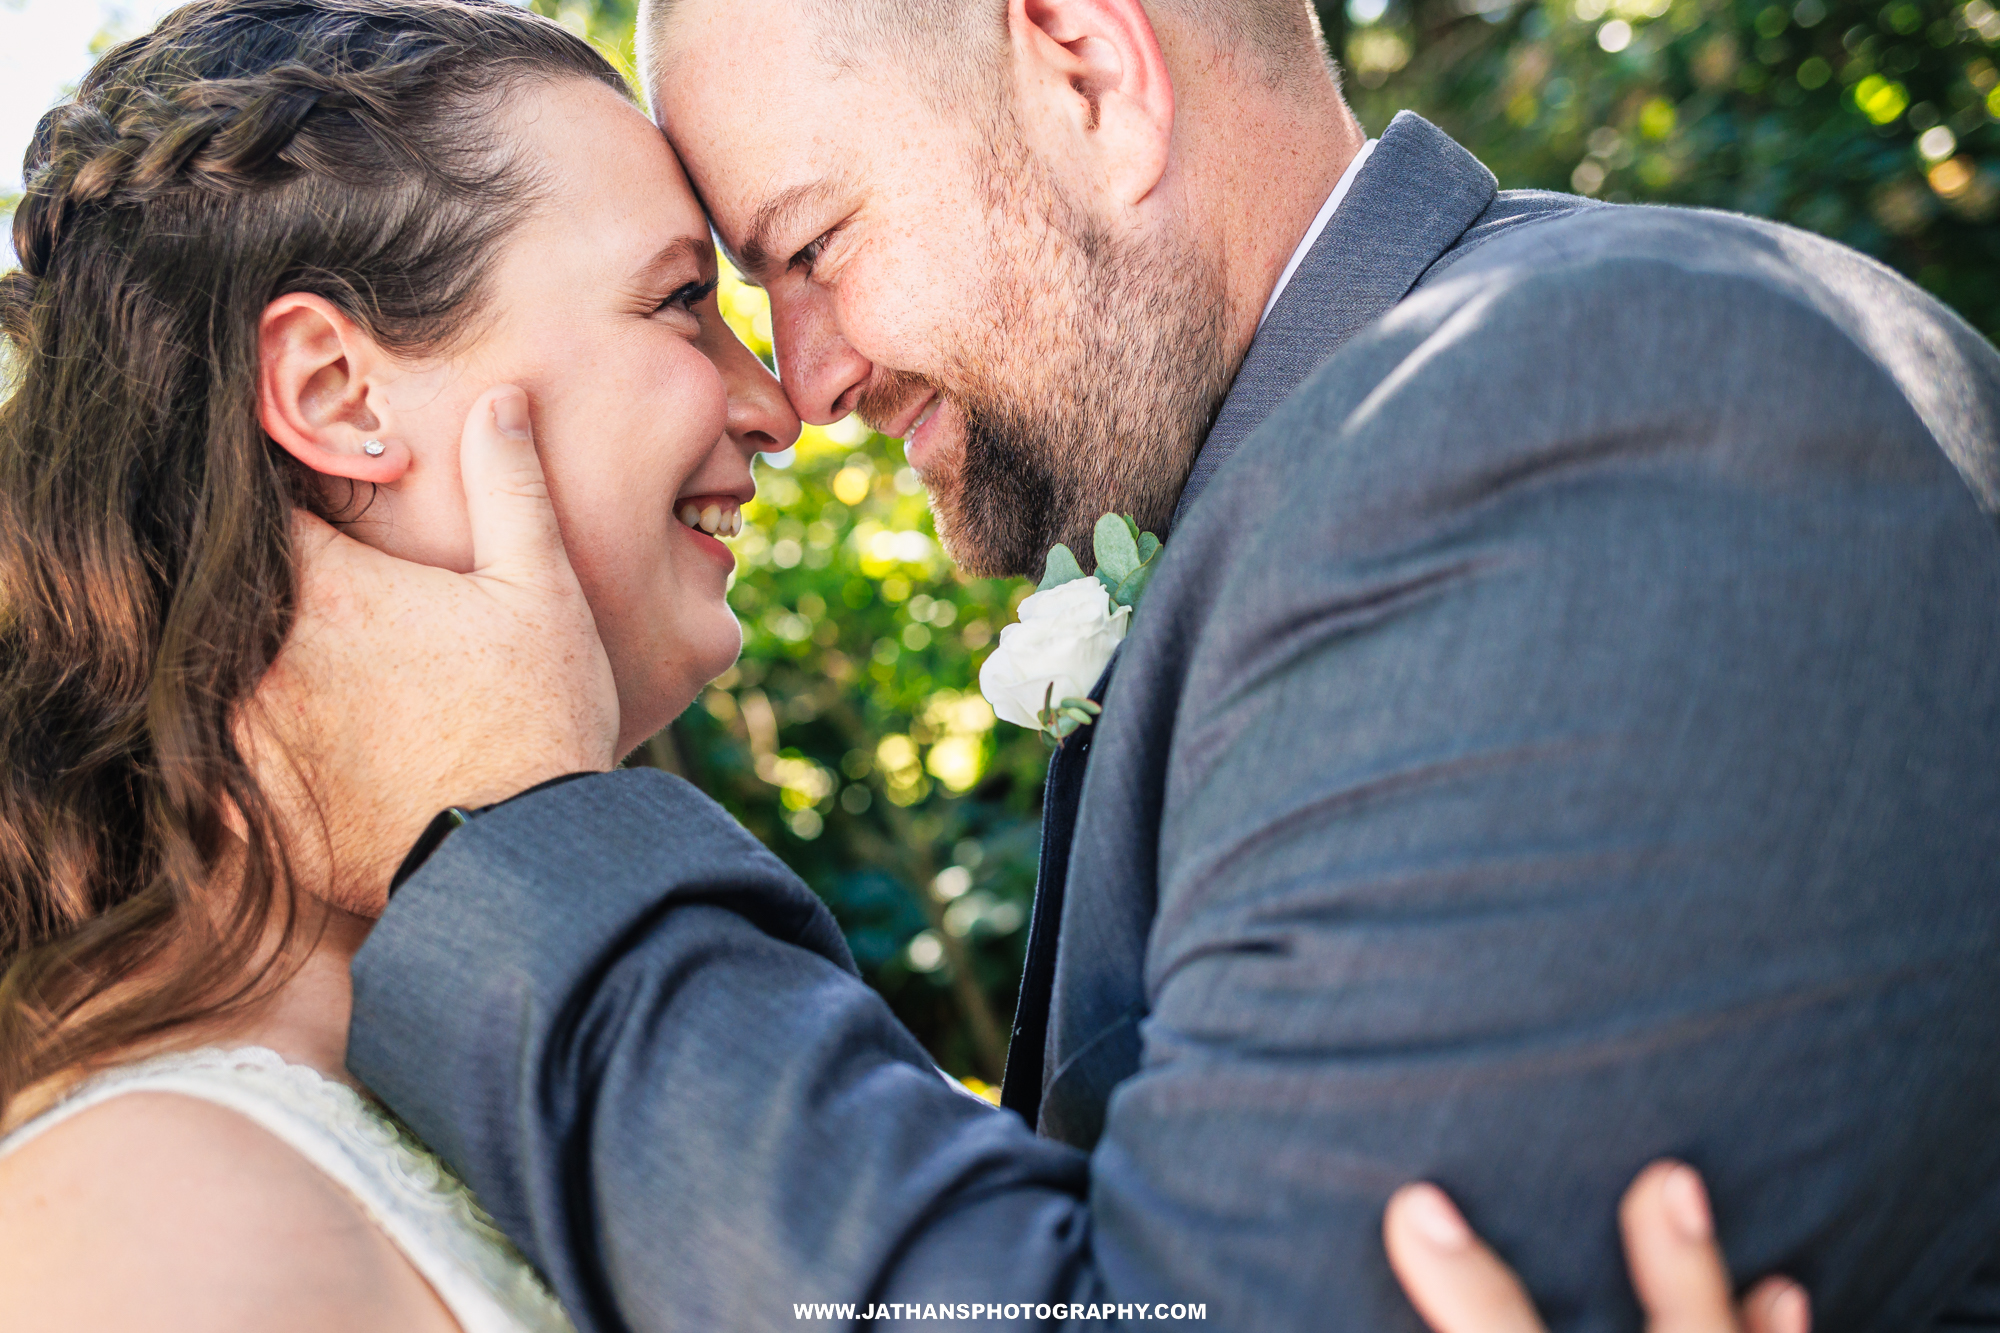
{"x": 418, "y": 1204}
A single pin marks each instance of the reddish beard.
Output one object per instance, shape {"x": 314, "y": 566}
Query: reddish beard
{"x": 1085, "y": 387}
{"x": 996, "y": 501}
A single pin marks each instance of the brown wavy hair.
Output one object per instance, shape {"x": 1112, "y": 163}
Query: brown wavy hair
{"x": 243, "y": 150}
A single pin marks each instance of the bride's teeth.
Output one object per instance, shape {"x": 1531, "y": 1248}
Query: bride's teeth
{"x": 716, "y": 520}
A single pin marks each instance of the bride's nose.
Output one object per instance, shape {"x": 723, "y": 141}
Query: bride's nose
{"x": 761, "y": 419}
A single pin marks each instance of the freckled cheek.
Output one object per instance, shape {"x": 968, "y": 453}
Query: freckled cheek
{"x": 638, "y": 424}
{"x": 671, "y": 404}
{"x": 876, "y": 325}
{"x": 902, "y": 311}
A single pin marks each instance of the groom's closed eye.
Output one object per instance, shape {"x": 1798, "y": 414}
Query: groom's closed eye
{"x": 810, "y": 252}
{"x": 787, "y": 214}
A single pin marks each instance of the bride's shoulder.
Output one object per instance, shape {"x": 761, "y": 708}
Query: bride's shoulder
{"x": 163, "y": 1211}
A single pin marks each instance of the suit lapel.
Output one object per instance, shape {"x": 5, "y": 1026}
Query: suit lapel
{"x": 1416, "y": 195}
{"x": 1062, "y": 792}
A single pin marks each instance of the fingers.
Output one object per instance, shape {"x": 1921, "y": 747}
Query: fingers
{"x": 1677, "y": 1267}
{"x": 1456, "y": 1283}
{"x": 1776, "y": 1305}
{"x": 1678, "y": 1271}
{"x": 514, "y": 533}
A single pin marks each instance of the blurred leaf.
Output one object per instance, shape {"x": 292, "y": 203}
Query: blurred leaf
{"x": 1810, "y": 112}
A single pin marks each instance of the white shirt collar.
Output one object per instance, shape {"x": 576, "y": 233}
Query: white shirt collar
{"x": 1326, "y": 211}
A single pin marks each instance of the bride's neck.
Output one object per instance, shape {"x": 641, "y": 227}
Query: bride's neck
{"x": 305, "y": 1020}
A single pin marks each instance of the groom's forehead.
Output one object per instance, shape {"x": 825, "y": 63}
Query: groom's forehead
{"x": 753, "y": 47}
{"x": 766, "y": 160}
{"x": 845, "y": 32}
{"x": 726, "y": 77}
{"x": 765, "y": 40}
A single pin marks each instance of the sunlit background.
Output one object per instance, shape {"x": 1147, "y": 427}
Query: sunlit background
{"x": 45, "y": 46}
{"x": 851, "y": 736}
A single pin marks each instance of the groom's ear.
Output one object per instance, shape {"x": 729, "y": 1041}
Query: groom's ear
{"x": 1093, "y": 73}
{"x": 317, "y": 375}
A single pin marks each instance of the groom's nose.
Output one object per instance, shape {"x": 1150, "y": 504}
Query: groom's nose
{"x": 822, "y": 372}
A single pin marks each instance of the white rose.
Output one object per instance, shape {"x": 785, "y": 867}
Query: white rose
{"x": 1065, "y": 637}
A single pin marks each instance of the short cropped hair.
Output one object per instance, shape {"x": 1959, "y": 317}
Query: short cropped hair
{"x": 941, "y": 38}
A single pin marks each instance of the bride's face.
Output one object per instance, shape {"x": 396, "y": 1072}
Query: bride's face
{"x": 602, "y": 307}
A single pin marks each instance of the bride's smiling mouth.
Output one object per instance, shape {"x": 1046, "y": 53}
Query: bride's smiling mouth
{"x": 715, "y": 515}
{"x": 709, "y": 518}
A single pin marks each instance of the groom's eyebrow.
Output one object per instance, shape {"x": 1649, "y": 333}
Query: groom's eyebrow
{"x": 775, "y": 215}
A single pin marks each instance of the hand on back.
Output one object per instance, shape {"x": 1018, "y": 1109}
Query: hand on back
{"x": 1460, "y": 1286}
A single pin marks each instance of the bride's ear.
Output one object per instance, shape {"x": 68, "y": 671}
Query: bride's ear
{"x": 319, "y": 392}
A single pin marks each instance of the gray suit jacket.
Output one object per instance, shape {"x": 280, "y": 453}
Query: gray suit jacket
{"x": 1562, "y": 733}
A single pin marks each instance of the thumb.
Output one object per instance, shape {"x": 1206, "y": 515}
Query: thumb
{"x": 514, "y": 533}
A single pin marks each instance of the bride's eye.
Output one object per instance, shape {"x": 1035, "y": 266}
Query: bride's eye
{"x": 688, "y": 297}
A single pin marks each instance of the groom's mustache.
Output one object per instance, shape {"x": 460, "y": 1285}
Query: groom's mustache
{"x": 891, "y": 393}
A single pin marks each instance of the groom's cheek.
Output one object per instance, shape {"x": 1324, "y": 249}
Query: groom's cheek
{"x": 908, "y": 298}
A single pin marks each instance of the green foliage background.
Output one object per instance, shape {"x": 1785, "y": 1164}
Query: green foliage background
{"x": 851, "y": 737}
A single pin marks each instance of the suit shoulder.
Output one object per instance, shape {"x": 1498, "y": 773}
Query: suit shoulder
{"x": 1724, "y": 305}
{"x": 1590, "y": 253}
{"x": 167, "y": 1212}
{"x": 1510, "y": 212}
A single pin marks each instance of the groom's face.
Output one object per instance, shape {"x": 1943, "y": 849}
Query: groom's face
{"x": 931, "y": 271}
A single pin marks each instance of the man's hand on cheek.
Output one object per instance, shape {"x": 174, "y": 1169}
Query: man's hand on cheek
{"x": 403, "y": 689}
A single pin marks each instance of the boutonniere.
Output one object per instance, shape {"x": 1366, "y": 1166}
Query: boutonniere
{"x": 1070, "y": 625}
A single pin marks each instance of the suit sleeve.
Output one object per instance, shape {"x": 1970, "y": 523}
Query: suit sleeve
{"x": 642, "y": 1041}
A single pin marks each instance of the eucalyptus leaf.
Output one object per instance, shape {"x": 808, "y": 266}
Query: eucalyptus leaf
{"x": 1062, "y": 568}
{"x": 1117, "y": 549}
{"x": 1128, "y": 590}
{"x": 1149, "y": 546}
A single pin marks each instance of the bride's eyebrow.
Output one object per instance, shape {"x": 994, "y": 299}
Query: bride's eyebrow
{"x": 673, "y": 259}
{"x": 777, "y": 215}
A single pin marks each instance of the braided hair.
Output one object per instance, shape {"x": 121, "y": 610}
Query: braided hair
{"x": 243, "y": 150}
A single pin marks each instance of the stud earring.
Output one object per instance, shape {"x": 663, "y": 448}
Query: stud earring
{"x": 374, "y": 448}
